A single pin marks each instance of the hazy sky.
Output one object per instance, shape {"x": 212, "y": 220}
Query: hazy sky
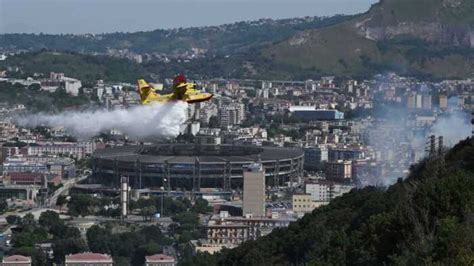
{"x": 98, "y": 16}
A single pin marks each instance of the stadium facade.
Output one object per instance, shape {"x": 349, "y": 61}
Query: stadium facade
{"x": 192, "y": 167}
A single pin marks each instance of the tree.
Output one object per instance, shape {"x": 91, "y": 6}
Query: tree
{"x": 49, "y": 219}
{"x": 35, "y": 87}
{"x": 80, "y": 204}
{"x": 63, "y": 247}
{"x": 28, "y": 219}
{"x": 61, "y": 201}
{"x": 98, "y": 239}
{"x": 13, "y": 219}
{"x": 201, "y": 206}
{"x": 3, "y": 205}
{"x": 148, "y": 212}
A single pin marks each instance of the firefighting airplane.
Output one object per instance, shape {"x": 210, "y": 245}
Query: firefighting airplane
{"x": 182, "y": 91}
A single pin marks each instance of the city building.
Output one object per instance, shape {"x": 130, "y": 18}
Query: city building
{"x": 443, "y": 102}
{"x": 203, "y": 246}
{"x": 254, "y": 191}
{"x": 25, "y": 178}
{"x": 411, "y": 101}
{"x": 16, "y": 260}
{"x": 419, "y": 101}
{"x": 230, "y": 231}
{"x": 57, "y": 80}
{"x": 427, "y": 101}
{"x": 314, "y": 157}
{"x": 303, "y": 203}
{"x": 310, "y": 113}
{"x": 69, "y": 149}
{"x": 89, "y": 259}
{"x": 28, "y": 194}
{"x": 340, "y": 171}
{"x": 20, "y": 165}
{"x": 345, "y": 153}
{"x": 159, "y": 260}
{"x": 232, "y": 114}
{"x": 325, "y": 191}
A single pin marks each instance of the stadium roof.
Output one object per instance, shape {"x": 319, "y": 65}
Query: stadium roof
{"x": 186, "y": 153}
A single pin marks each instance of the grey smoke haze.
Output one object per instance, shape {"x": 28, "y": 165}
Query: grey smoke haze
{"x": 454, "y": 127}
{"x": 140, "y": 122}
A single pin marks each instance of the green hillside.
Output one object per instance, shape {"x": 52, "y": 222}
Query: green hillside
{"x": 84, "y": 67}
{"x": 426, "y": 219}
{"x": 427, "y": 38}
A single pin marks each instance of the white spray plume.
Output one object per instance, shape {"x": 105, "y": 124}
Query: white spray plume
{"x": 153, "y": 120}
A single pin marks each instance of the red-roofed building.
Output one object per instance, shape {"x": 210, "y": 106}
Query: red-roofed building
{"x": 25, "y": 178}
{"x": 17, "y": 260}
{"x": 159, "y": 260}
{"x": 89, "y": 258}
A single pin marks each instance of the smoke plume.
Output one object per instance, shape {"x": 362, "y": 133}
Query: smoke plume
{"x": 154, "y": 120}
{"x": 453, "y": 128}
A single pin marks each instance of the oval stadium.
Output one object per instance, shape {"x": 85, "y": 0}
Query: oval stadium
{"x": 192, "y": 167}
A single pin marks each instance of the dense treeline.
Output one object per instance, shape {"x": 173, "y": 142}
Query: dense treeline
{"x": 87, "y": 68}
{"x": 49, "y": 228}
{"x": 425, "y": 219}
{"x": 129, "y": 247}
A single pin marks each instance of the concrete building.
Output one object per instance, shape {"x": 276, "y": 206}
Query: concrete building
{"x": 24, "y": 193}
{"x": 232, "y": 114}
{"x": 345, "y": 153}
{"x": 58, "y": 149}
{"x": 303, "y": 203}
{"x": 89, "y": 258}
{"x": 325, "y": 191}
{"x": 203, "y": 246}
{"x": 443, "y": 102}
{"x": 159, "y": 260}
{"x": 340, "y": 171}
{"x": 25, "y": 178}
{"x": 230, "y": 231}
{"x": 411, "y": 101}
{"x": 254, "y": 191}
{"x": 310, "y": 113}
{"x": 20, "y": 165}
{"x": 320, "y": 191}
{"x": 427, "y": 101}
{"x": 314, "y": 157}
{"x": 16, "y": 260}
{"x": 57, "y": 80}
{"x": 419, "y": 101}
{"x": 62, "y": 167}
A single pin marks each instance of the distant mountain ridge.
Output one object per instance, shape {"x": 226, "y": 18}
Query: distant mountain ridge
{"x": 428, "y": 39}
{"x": 432, "y": 38}
{"x": 223, "y": 39}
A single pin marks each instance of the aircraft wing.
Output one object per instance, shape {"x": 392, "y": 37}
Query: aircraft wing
{"x": 194, "y": 96}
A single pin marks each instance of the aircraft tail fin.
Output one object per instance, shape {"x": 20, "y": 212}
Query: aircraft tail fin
{"x": 146, "y": 91}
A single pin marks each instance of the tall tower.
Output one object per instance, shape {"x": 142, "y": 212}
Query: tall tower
{"x": 254, "y": 191}
{"x": 124, "y": 197}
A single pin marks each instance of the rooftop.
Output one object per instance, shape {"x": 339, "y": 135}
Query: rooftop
{"x": 16, "y": 258}
{"x": 88, "y": 256}
{"x": 159, "y": 258}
